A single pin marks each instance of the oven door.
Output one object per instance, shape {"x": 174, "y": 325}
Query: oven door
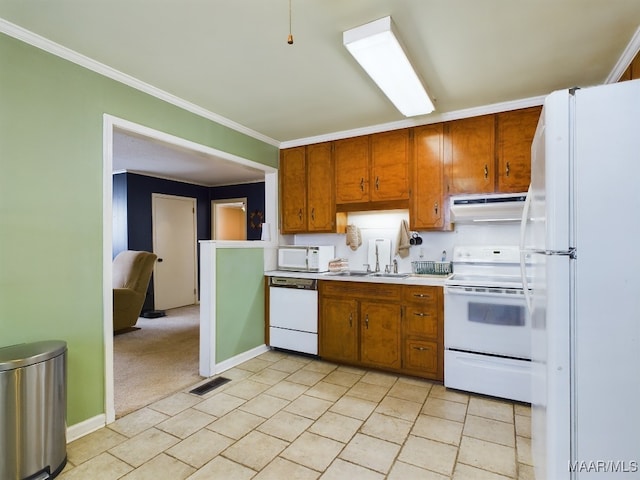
{"x": 487, "y": 320}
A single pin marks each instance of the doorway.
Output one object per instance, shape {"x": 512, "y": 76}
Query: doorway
{"x": 214, "y": 158}
{"x": 229, "y": 219}
{"x": 175, "y": 243}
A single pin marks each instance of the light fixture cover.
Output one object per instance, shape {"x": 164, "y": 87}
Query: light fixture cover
{"x": 378, "y": 50}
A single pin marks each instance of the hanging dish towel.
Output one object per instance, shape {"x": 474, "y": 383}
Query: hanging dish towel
{"x": 354, "y": 238}
{"x": 402, "y": 245}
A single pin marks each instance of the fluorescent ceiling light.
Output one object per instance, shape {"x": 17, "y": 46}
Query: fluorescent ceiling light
{"x": 380, "y": 53}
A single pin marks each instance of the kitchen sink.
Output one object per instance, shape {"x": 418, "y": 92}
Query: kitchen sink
{"x": 389, "y": 275}
{"x": 351, "y": 273}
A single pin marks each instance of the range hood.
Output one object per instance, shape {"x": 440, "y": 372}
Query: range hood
{"x": 501, "y": 207}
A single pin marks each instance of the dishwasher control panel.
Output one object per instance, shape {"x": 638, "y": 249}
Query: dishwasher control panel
{"x": 301, "y": 283}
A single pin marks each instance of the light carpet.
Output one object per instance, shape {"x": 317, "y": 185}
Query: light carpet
{"x": 158, "y": 360}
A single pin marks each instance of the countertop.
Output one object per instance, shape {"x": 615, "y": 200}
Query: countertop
{"x": 412, "y": 279}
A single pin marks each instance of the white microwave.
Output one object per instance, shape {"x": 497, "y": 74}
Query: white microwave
{"x": 297, "y": 258}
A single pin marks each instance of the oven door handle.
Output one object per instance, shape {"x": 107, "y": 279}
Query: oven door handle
{"x": 515, "y": 293}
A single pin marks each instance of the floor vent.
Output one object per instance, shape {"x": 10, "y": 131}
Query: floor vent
{"x": 210, "y": 385}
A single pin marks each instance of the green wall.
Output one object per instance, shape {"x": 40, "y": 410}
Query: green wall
{"x": 239, "y": 301}
{"x": 51, "y": 215}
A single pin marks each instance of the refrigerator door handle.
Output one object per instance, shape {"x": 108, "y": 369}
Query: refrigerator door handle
{"x": 523, "y": 268}
{"x": 571, "y": 253}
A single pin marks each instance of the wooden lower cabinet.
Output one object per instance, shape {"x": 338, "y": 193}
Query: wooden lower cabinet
{"x": 423, "y": 332}
{"x": 380, "y": 334}
{"x": 339, "y": 327}
{"x": 387, "y": 326}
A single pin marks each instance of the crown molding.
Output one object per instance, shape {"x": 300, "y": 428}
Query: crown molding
{"x": 432, "y": 118}
{"x": 54, "y": 48}
{"x": 629, "y": 53}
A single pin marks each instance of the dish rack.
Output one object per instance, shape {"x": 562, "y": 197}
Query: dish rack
{"x": 429, "y": 267}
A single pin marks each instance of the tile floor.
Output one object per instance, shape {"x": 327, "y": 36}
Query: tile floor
{"x": 291, "y": 417}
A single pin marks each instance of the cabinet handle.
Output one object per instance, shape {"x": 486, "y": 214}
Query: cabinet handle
{"x": 436, "y": 207}
{"x": 508, "y": 170}
{"x": 420, "y": 314}
{"x": 300, "y": 214}
{"x": 421, "y": 295}
{"x": 366, "y": 321}
{"x": 377, "y": 183}
{"x": 362, "y": 184}
{"x": 486, "y": 171}
{"x": 350, "y": 320}
{"x": 313, "y": 213}
{"x": 422, "y": 349}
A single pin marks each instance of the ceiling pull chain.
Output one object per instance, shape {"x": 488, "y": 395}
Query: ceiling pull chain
{"x": 290, "y": 37}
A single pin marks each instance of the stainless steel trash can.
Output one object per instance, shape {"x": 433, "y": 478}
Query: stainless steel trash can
{"x": 33, "y": 410}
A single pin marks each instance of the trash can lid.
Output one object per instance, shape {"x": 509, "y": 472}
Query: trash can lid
{"x": 25, "y": 354}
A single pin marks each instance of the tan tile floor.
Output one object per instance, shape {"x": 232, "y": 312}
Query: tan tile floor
{"x": 292, "y": 417}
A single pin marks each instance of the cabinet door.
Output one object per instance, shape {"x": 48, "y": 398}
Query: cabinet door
{"x": 380, "y": 334}
{"x": 338, "y": 333}
{"x": 515, "y": 134}
{"x": 390, "y": 165}
{"x": 352, "y": 169}
{"x": 320, "y": 188}
{"x": 422, "y": 356}
{"x": 293, "y": 190}
{"x": 427, "y": 187}
{"x": 471, "y": 155}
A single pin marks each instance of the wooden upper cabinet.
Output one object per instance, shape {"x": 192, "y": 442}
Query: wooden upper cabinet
{"x": 633, "y": 70}
{"x": 320, "y": 186}
{"x": 390, "y": 165}
{"x": 470, "y": 151}
{"x": 307, "y": 189}
{"x": 515, "y": 131}
{"x": 427, "y": 199}
{"x": 352, "y": 169}
{"x": 293, "y": 194}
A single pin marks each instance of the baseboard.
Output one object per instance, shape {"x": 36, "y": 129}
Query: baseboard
{"x": 238, "y": 359}
{"x": 84, "y": 428}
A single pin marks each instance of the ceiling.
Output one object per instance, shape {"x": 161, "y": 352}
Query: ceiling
{"x": 231, "y": 57}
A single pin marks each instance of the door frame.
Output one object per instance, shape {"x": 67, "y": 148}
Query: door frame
{"x": 225, "y": 201}
{"x": 110, "y": 123}
{"x": 194, "y": 204}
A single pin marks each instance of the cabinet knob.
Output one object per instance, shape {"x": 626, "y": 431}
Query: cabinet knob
{"x": 313, "y": 213}
{"x": 422, "y": 349}
{"x": 508, "y": 169}
{"x": 300, "y": 214}
{"x": 366, "y": 321}
{"x": 350, "y": 320}
{"x": 436, "y": 207}
{"x": 362, "y": 184}
{"x": 486, "y": 171}
{"x": 377, "y": 183}
{"x": 420, "y": 314}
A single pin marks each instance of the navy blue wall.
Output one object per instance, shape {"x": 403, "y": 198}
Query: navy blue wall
{"x": 254, "y": 192}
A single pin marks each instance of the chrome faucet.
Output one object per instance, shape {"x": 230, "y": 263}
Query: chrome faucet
{"x": 395, "y": 266}
{"x": 377, "y": 260}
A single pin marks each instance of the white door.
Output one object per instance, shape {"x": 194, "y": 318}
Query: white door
{"x": 175, "y": 242}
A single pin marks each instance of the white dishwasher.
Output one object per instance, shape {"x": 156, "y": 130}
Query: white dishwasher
{"x": 293, "y": 314}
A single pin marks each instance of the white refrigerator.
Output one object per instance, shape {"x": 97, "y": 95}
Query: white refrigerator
{"x": 581, "y": 226}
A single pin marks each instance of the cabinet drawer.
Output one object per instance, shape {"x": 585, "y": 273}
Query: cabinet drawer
{"x": 421, "y": 356}
{"x": 423, "y": 295}
{"x": 377, "y": 291}
{"x": 421, "y": 320}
